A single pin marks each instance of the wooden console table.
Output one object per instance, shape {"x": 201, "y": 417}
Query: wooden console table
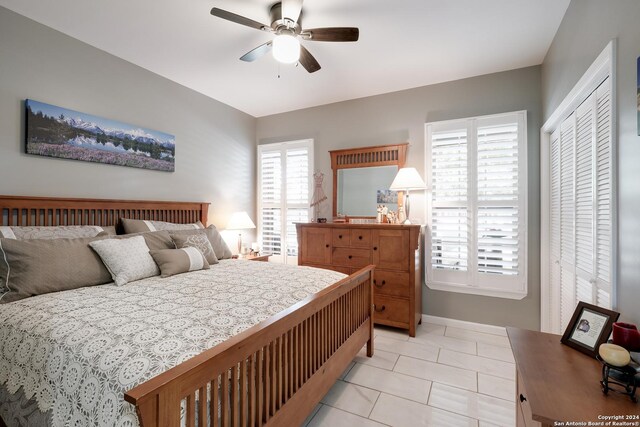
{"x": 557, "y": 384}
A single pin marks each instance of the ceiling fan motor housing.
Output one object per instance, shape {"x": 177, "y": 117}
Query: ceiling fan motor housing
{"x": 281, "y": 24}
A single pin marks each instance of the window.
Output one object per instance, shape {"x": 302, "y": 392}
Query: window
{"x": 477, "y": 173}
{"x": 284, "y": 191}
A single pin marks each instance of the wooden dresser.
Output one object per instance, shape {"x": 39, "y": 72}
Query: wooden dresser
{"x": 393, "y": 249}
{"x": 557, "y": 384}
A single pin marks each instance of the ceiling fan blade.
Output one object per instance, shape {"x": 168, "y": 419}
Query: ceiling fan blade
{"x": 308, "y": 61}
{"x": 258, "y": 52}
{"x": 229, "y": 16}
{"x": 291, "y": 9}
{"x": 335, "y": 34}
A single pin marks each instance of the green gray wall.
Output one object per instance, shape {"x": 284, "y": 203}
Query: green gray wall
{"x": 585, "y": 31}
{"x": 401, "y": 116}
{"x": 215, "y": 144}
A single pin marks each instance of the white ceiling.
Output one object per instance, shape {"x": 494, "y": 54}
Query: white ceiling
{"x": 403, "y": 44}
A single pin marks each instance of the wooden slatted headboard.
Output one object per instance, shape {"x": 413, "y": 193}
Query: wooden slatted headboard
{"x": 47, "y": 211}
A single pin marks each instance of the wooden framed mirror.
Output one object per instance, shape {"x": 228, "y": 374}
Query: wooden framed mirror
{"x": 358, "y": 173}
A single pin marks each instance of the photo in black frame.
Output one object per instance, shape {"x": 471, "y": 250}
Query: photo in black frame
{"x": 589, "y": 327}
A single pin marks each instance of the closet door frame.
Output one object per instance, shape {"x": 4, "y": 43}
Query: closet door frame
{"x": 603, "y": 67}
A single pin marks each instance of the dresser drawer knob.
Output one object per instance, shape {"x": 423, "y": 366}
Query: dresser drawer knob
{"x": 339, "y": 236}
{"x": 379, "y": 310}
{"x": 360, "y": 237}
{"x": 327, "y": 245}
{"x": 522, "y": 398}
{"x": 375, "y": 248}
{"x": 384, "y": 282}
{"x": 350, "y": 256}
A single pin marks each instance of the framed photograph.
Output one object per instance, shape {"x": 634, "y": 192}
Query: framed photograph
{"x": 589, "y": 327}
{"x": 387, "y": 196}
{"x": 67, "y": 134}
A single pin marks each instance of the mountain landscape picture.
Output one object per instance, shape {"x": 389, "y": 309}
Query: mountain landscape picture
{"x": 58, "y": 132}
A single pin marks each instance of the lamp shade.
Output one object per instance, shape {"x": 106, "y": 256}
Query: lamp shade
{"x": 286, "y": 49}
{"x": 407, "y": 179}
{"x": 240, "y": 221}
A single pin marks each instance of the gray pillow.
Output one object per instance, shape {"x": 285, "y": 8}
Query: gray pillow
{"x": 217, "y": 242}
{"x": 199, "y": 241}
{"x": 127, "y": 260}
{"x": 140, "y": 226}
{"x": 176, "y": 261}
{"x": 53, "y": 232}
{"x": 35, "y": 267}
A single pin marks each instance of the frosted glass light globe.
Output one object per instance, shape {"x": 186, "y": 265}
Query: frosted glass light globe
{"x": 286, "y": 49}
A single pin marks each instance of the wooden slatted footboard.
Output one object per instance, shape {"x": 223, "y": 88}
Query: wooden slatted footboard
{"x": 272, "y": 374}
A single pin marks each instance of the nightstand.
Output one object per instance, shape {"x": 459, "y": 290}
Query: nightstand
{"x": 263, "y": 258}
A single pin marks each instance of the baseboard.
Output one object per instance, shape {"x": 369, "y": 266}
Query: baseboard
{"x": 478, "y": 327}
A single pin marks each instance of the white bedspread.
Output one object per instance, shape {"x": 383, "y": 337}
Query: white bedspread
{"x": 76, "y": 352}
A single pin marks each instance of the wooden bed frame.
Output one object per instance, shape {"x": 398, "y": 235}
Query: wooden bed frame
{"x": 272, "y": 374}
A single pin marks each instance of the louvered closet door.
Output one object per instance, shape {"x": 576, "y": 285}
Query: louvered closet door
{"x": 603, "y": 209}
{"x": 581, "y": 208}
{"x": 567, "y": 212}
{"x": 554, "y": 224}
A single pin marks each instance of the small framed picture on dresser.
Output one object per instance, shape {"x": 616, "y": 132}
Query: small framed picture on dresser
{"x": 589, "y": 327}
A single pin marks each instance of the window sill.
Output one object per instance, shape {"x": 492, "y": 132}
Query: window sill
{"x": 517, "y": 295}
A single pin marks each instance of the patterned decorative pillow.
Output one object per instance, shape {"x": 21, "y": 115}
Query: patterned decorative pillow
{"x": 140, "y": 226}
{"x": 127, "y": 260}
{"x": 199, "y": 241}
{"x": 39, "y": 266}
{"x": 53, "y": 232}
{"x": 217, "y": 242}
{"x": 176, "y": 261}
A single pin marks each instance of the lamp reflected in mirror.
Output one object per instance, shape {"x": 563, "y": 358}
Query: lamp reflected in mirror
{"x": 407, "y": 179}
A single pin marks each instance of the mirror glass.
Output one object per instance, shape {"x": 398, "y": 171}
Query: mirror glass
{"x": 361, "y": 190}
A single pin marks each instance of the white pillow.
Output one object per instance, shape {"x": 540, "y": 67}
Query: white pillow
{"x": 127, "y": 260}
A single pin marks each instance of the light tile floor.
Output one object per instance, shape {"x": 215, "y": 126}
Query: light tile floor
{"x": 445, "y": 376}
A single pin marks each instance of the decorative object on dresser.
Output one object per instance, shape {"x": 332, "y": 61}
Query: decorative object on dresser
{"x": 358, "y": 175}
{"x": 318, "y": 196}
{"x": 589, "y": 327}
{"x": 555, "y": 384}
{"x": 407, "y": 179}
{"x": 58, "y": 132}
{"x": 626, "y": 335}
{"x": 393, "y": 249}
{"x": 240, "y": 221}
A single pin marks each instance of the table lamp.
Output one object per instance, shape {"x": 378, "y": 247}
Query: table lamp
{"x": 240, "y": 221}
{"x": 407, "y": 179}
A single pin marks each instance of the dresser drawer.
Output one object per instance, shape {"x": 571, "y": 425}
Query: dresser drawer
{"x": 523, "y": 404}
{"x": 360, "y": 238}
{"x": 391, "y": 310}
{"x": 391, "y": 283}
{"x": 350, "y": 257}
{"x": 341, "y": 237}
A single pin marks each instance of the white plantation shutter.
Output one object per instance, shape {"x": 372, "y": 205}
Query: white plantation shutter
{"x": 476, "y": 170}
{"x": 498, "y": 194}
{"x": 581, "y": 208}
{"x": 270, "y": 193}
{"x": 284, "y": 192}
{"x": 449, "y": 219}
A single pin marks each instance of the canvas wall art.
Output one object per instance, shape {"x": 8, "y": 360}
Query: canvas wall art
{"x": 59, "y": 132}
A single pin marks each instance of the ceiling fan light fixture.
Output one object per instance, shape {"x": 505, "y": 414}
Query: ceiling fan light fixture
{"x": 286, "y": 48}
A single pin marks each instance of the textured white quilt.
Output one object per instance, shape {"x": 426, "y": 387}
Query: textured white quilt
{"x": 76, "y": 352}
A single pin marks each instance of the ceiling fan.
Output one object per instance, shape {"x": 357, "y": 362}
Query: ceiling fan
{"x": 286, "y": 24}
